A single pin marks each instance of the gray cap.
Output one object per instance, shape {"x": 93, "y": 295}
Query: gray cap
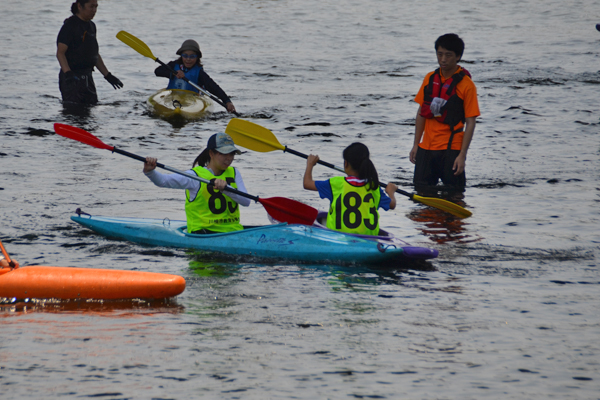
{"x": 223, "y": 143}
{"x": 190, "y": 45}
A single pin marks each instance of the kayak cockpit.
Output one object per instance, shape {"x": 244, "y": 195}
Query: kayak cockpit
{"x": 183, "y": 230}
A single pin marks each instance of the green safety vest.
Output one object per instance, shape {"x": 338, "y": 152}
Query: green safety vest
{"x": 212, "y": 209}
{"x": 354, "y": 208}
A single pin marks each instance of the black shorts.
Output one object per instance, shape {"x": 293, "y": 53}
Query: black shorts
{"x": 434, "y": 165}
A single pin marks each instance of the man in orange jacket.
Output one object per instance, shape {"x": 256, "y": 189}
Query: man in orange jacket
{"x": 446, "y": 119}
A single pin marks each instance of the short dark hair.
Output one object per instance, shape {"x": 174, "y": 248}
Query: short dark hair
{"x": 452, "y": 42}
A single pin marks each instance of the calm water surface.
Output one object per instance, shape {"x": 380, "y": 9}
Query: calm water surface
{"x": 508, "y": 310}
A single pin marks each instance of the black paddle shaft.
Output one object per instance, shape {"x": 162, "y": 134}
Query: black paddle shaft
{"x": 191, "y": 83}
{"x": 194, "y": 177}
{"x": 297, "y": 153}
{"x": 329, "y": 165}
{"x": 383, "y": 185}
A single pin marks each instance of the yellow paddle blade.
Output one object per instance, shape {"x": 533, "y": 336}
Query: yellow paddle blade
{"x": 135, "y": 44}
{"x": 443, "y": 205}
{"x": 252, "y": 136}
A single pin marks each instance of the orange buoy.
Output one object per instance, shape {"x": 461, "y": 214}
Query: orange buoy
{"x": 44, "y": 282}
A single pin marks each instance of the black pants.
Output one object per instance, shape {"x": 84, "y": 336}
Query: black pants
{"x": 433, "y": 165}
{"x": 81, "y": 90}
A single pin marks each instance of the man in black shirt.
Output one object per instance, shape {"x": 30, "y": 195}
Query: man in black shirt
{"x": 77, "y": 54}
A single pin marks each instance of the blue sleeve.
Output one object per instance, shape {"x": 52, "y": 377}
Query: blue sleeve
{"x": 324, "y": 189}
{"x": 384, "y": 201}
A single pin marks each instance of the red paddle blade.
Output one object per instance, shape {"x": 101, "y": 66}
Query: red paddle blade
{"x": 290, "y": 211}
{"x": 80, "y": 135}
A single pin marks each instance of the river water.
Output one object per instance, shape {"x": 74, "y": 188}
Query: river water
{"x": 508, "y": 310}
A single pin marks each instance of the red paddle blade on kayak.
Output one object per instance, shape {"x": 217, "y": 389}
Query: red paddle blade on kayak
{"x": 290, "y": 211}
{"x": 80, "y": 135}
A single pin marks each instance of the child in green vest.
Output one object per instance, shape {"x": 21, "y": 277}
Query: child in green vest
{"x": 208, "y": 208}
{"x": 354, "y": 199}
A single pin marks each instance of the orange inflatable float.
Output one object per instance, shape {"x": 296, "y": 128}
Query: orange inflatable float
{"x": 42, "y": 282}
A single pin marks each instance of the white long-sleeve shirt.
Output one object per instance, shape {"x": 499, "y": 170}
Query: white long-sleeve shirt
{"x": 177, "y": 181}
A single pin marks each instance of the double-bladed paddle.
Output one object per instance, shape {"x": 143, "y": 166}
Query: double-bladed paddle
{"x": 144, "y": 50}
{"x": 10, "y": 262}
{"x": 258, "y": 138}
{"x": 280, "y": 208}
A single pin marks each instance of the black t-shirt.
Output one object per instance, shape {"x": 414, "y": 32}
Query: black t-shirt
{"x": 80, "y": 38}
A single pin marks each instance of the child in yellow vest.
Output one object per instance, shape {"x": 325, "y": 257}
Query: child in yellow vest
{"x": 208, "y": 208}
{"x": 354, "y": 199}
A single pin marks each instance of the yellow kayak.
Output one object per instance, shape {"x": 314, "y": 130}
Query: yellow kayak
{"x": 167, "y": 103}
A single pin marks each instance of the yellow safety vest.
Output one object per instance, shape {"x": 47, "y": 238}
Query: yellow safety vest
{"x": 354, "y": 208}
{"x": 212, "y": 209}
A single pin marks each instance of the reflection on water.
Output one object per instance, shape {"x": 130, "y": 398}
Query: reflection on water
{"x": 77, "y": 112}
{"x": 361, "y": 279}
{"x": 214, "y": 274}
{"x": 438, "y": 225}
{"x": 105, "y": 308}
{"x": 176, "y": 121}
{"x": 442, "y": 227}
{"x": 212, "y": 269}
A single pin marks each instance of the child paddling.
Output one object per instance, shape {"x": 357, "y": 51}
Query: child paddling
{"x": 207, "y": 207}
{"x": 189, "y": 66}
{"x": 354, "y": 199}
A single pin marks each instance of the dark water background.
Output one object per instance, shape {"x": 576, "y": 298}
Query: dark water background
{"x": 508, "y": 310}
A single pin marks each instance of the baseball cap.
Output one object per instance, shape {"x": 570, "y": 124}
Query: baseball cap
{"x": 223, "y": 143}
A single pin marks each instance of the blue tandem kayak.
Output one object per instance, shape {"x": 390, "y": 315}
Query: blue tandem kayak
{"x": 282, "y": 241}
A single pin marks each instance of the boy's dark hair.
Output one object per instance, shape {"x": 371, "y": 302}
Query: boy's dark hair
{"x": 452, "y": 42}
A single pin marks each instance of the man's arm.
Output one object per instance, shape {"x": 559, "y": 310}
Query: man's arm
{"x": 461, "y": 159}
{"x": 61, "y": 55}
{"x": 419, "y": 129}
{"x": 101, "y": 67}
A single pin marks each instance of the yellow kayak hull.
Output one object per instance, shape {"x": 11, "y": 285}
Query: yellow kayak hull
{"x": 169, "y": 103}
